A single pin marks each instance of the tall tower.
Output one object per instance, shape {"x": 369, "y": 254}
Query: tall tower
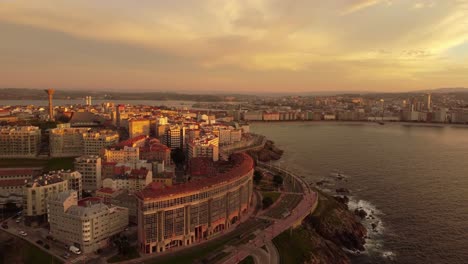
{"x": 429, "y": 106}
{"x": 50, "y": 93}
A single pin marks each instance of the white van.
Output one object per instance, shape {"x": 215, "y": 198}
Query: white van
{"x": 75, "y": 250}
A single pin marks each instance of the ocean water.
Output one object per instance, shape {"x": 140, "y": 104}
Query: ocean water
{"x": 412, "y": 179}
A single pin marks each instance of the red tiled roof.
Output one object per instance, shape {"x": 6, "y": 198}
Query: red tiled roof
{"x": 131, "y": 141}
{"x": 12, "y": 183}
{"x": 6, "y": 172}
{"x": 84, "y": 202}
{"x": 240, "y": 165}
{"x": 106, "y": 190}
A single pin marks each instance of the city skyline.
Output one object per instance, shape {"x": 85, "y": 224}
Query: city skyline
{"x": 266, "y": 46}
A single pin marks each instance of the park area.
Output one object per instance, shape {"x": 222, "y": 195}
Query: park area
{"x": 46, "y": 164}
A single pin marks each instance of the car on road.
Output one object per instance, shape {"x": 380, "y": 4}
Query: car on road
{"x": 21, "y": 232}
{"x": 66, "y": 255}
{"x": 39, "y": 242}
{"x": 5, "y": 225}
{"x": 18, "y": 221}
{"x": 75, "y": 250}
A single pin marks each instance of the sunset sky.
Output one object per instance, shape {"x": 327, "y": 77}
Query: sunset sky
{"x": 234, "y": 46}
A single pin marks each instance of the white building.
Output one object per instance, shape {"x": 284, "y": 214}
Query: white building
{"x": 206, "y": 146}
{"x": 19, "y": 142}
{"x": 87, "y": 224}
{"x": 35, "y": 194}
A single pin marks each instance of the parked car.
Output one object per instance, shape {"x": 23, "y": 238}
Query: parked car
{"x": 46, "y": 246}
{"x": 21, "y": 232}
{"x": 39, "y": 242}
{"x": 75, "y": 250}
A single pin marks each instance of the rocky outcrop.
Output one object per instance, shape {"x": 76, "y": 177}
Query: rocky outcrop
{"x": 360, "y": 212}
{"x": 342, "y": 190}
{"x": 339, "y": 225}
{"x": 324, "y": 251}
{"x": 268, "y": 152}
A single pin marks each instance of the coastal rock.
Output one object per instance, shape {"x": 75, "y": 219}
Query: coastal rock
{"x": 342, "y": 190}
{"x": 342, "y": 199}
{"x": 360, "y": 212}
{"x": 339, "y": 225}
{"x": 324, "y": 251}
{"x": 267, "y": 153}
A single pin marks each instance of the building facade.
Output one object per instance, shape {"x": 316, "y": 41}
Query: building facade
{"x": 67, "y": 142}
{"x": 87, "y": 224}
{"x": 19, "y": 142}
{"x": 194, "y": 211}
{"x": 90, "y": 167}
{"x": 96, "y": 141}
{"x": 138, "y": 127}
{"x": 135, "y": 180}
{"x": 122, "y": 155}
{"x": 205, "y": 147}
{"x": 35, "y": 194}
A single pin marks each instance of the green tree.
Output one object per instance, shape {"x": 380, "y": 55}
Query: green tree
{"x": 278, "y": 180}
{"x": 257, "y": 177}
{"x": 267, "y": 202}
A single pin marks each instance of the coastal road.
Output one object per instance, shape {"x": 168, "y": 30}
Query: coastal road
{"x": 265, "y": 237}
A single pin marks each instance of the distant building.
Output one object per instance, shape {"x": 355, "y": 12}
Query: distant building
{"x": 19, "y": 142}
{"x": 67, "y": 142}
{"x": 96, "y": 141}
{"x": 253, "y": 116}
{"x": 174, "y": 137}
{"x": 90, "y": 167}
{"x": 87, "y": 224}
{"x": 138, "y": 127}
{"x": 122, "y": 155}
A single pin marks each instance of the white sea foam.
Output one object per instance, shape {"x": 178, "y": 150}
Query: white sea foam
{"x": 389, "y": 255}
{"x": 364, "y": 205}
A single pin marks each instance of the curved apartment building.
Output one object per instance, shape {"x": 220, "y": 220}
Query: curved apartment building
{"x": 184, "y": 214}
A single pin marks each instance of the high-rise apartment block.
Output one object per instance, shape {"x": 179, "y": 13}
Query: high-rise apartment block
{"x": 174, "y": 137}
{"x": 19, "y": 142}
{"x": 87, "y": 224}
{"x": 90, "y": 167}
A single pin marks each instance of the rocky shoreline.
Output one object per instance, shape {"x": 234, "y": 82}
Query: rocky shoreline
{"x": 268, "y": 153}
{"x": 339, "y": 231}
{"x": 332, "y": 232}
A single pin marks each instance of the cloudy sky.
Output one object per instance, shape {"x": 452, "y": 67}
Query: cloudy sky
{"x": 234, "y": 46}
